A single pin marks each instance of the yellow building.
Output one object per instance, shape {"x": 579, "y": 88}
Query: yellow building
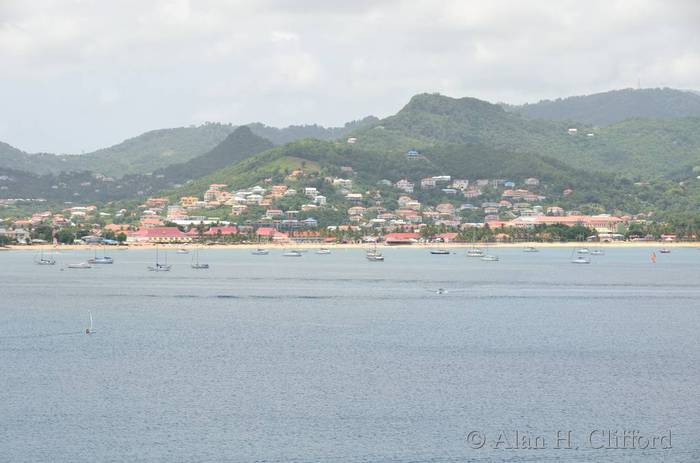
{"x": 188, "y": 201}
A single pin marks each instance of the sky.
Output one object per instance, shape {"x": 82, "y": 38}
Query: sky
{"x": 77, "y": 75}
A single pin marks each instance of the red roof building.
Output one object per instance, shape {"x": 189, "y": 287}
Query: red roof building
{"x": 223, "y": 231}
{"x": 401, "y": 238}
{"x": 158, "y": 235}
{"x": 265, "y": 232}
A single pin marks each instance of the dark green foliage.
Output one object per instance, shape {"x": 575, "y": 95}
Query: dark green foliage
{"x": 144, "y": 153}
{"x": 298, "y": 132}
{"x": 240, "y": 144}
{"x": 616, "y": 106}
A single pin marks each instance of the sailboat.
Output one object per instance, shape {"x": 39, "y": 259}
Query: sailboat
{"x": 373, "y": 255}
{"x": 195, "y": 261}
{"x": 44, "y": 260}
{"x": 89, "y": 329}
{"x": 489, "y": 257}
{"x": 100, "y": 260}
{"x": 158, "y": 267}
{"x": 474, "y": 251}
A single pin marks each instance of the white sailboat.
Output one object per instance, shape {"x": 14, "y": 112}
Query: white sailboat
{"x": 474, "y": 251}
{"x": 89, "y": 329}
{"x": 44, "y": 260}
{"x": 100, "y": 260}
{"x": 373, "y": 255}
{"x": 489, "y": 257}
{"x": 158, "y": 267}
{"x": 195, "y": 262}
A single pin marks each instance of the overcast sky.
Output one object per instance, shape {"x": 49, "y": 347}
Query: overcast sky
{"x": 76, "y": 75}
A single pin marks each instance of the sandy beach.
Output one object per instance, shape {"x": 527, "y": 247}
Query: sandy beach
{"x": 624, "y": 244}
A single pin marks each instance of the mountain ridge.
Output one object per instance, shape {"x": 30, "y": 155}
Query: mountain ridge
{"x": 615, "y": 106}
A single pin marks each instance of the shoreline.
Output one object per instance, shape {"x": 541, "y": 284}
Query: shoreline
{"x": 627, "y": 244}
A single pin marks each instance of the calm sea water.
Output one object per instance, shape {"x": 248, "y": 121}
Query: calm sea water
{"x": 336, "y": 359}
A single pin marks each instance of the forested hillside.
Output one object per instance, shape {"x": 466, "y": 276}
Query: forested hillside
{"x": 616, "y": 106}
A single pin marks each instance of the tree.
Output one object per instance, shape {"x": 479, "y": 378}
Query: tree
{"x": 65, "y": 236}
{"x": 121, "y": 237}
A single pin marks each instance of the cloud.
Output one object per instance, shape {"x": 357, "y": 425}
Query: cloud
{"x": 172, "y": 62}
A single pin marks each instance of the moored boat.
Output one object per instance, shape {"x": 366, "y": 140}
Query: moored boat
{"x": 79, "y": 265}
{"x": 439, "y": 252}
{"x": 196, "y": 264}
{"x": 44, "y": 260}
{"x": 292, "y": 253}
{"x": 158, "y": 267}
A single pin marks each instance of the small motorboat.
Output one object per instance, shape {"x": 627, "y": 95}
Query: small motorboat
{"x": 292, "y": 254}
{"x": 440, "y": 252}
{"x": 580, "y": 260}
{"x": 531, "y": 249}
{"x": 489, "y": 258}
{"x": 323, "y": 251}
{"x": 183, "y": 251}
{"x": 665, "y": 251}
{"x": 101, "y": 260}
{"x": 79, "y": 265}
{"x": 583, "y": 251}
{"x": 260, "y": 252}
{"x": 597, "y": 252}
{"x": 475, "y": 253}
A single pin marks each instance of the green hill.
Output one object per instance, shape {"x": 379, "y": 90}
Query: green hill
{"x": 298, "y": 132}
{"x": 239, "y": 145}
{"x": 88, "y": 186}
{"x": 616, "y": 106}
{"x": 144, "y": 153}
{"x": 637, "y": 148}
{"x": 469, "y": 161}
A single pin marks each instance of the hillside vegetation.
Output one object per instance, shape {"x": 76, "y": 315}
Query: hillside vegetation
{"x": 616, "y": 106}
{"x": 636, "y": 148}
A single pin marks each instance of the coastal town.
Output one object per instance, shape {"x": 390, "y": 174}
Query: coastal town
{"x": 308, "y": 208}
